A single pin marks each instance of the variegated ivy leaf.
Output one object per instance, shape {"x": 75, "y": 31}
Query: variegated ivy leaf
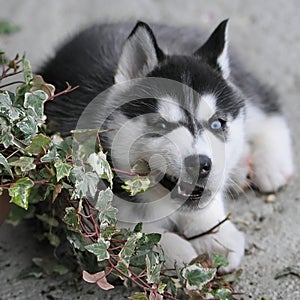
{"x": 6, "y": 137}
{"x": 85, "y": 183}
{"x": 219, "y": 260}
{"x": 35, "y": 101}
{"x": 153, "y": 267}
{"x": 7, "y": 109}
{"x": 27, "y": 71}
{"x": 99, "y": 249}
{"x": 62, "y": 169}
{"x": 28, "y": 126}
{"x": 138, "y": 296}
{"x": 38, "y": 83}
{"x": 4, "y": 163}
{"x": 25, "y": 163}
{"x": 19, "y": 191}
{"x": 107, "y": 213}
{"x": 222, "y": 294}
{"x": 38, "y": 144}
{"x": 136, "y": 185}
{"x": 71, "y": 218}
{"x": 197, "y": 276}
{"x": 101, "y": 166}
{"x": 123, "y": 266}
{"x": 130, "y": 246}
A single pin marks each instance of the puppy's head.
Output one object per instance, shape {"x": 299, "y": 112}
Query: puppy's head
{"x": 182, "y": 115}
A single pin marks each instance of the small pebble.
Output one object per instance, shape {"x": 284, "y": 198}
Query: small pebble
{"x": 270, "y": 198}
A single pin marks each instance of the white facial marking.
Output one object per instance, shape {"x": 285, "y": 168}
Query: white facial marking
{"x": 206, "y": 108}
{"x": 170, "y": 111}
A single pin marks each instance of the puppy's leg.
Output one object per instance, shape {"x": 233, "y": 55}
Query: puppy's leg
{"x": 270, "y": 152}
{"x": 176, "y": 249}
{"x": 226, "y": 240}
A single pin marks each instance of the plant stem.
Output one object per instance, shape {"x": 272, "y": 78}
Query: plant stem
{"x": 210, "y": 231}
{"x": 11, "y": 83}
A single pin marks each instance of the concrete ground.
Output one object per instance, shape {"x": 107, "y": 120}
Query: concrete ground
{"x": 266, "y": 35}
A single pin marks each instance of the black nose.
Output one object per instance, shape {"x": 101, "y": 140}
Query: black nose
{"x": 198, "y": 165}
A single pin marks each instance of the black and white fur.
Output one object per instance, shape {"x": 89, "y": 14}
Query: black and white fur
{"x": 200, "y": 134}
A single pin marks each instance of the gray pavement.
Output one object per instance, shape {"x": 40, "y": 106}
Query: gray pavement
{"x": 266, "y": 35}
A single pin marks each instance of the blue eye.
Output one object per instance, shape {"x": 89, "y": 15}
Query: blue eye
{"x": 217, "y": 124}
{"x": 161, "y": 125}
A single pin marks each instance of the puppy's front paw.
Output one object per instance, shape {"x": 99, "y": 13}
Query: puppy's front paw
{"x": 272, "y": 156}
{"x": 176, "y": 249}
{"x": 228, "y": 241}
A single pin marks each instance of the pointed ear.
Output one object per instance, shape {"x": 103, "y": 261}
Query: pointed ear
{"x": 140, "y": 54}
{"x": 215, "y": 50}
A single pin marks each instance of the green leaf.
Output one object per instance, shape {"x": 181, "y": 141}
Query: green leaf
{"x": 62, "y": 169}
{"x": 153, "y": 267}
{"x": 54, "y": 240}
{"x": 25, "y": 163}
{"x": 71, "y": 218}
{"x": 104, "y": 199}
{"x": 291, "y": 270}
{"x": 19, "y": 191}
{"x": 60, "y": 269}
{"x": 161, "y": 287}
{"x": 109, "y": 216}
{"x": 49, "y": 266}
{"x": 7, "y": 109}
{"x": 38, "y": 83}
{"x": 196, "y": 276}
{"x": 138, "y": 227}
{"x": 7, "y": 27}
{"x": 76, "y": 240}
{"x": 130, "y": 246}
{"x": 48, "y": 220}
{"x": 232, "y": 277}
{"x": 109, "y": 231}
{"x": 136, "y": 185}
{"x": 85, "y": 183}
{"x": 107, "y": 213}
{"x": 219, "y": 260}
{"x": 28, "y": 126}
{"x": 123, "y": 266}
{"x": 27, "y": 72}
{"x": 17, "y": 214}
{"x": 50, "y": 156}
{"x": 223, "y": 294}
{"x": 101, "y": 166}
{"x": 139, "y": 296}
{"x": 35, "y": 101}
{"x": 170, "y": 285}
{"x": 6, "y": 137}
{"x": 99, "y": 249}
{"x": 38, "y": 143}
{"x": 4, "y": 163}
{"x": 30, "y": 272}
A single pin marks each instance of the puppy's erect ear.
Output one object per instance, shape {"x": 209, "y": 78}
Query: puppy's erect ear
{"x": 215, "y": 50}
{"x": 140, "y": 54}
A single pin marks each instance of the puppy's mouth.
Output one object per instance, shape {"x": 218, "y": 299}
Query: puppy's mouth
{"x": 183, "y": 190}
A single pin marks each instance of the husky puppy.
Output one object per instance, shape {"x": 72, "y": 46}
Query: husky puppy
{"x": 180, "y": 103}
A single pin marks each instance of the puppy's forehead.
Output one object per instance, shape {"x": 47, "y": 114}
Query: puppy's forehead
{"x": 202, "y": 108}
{"x": 206, "y": 107}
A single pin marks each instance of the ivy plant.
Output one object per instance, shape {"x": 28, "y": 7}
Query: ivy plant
{"x": 37, "y": 168}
